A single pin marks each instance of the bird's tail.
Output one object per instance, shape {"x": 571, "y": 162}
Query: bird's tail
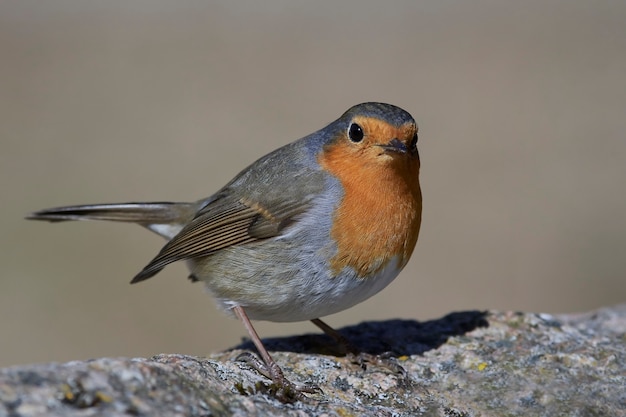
{"x": 165, "y": 218}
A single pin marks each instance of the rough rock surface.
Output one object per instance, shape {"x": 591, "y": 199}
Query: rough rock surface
{"x": 465, "y": 364}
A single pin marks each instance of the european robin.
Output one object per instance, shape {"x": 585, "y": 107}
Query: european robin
{"x": 308, "y": 230}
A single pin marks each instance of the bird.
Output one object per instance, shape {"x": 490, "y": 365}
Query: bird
{"x": 308, "y": 230}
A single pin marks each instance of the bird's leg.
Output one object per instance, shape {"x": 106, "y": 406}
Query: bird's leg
{"x": 355, "y": 355}
{"x": 286, "y": 390}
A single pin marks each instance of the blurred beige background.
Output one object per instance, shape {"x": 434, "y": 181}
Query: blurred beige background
{"x": 522, "y": 113}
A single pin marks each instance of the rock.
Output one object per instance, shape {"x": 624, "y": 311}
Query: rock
{"x": 464, "y": 364}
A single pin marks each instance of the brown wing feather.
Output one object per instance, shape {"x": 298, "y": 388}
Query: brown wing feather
{"x": 215, "y": 227}
{"x": 222, "y": 223}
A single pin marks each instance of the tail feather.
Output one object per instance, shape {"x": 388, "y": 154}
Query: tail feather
{"x": 165, "y": 219}
{"x": 142, "y": 213}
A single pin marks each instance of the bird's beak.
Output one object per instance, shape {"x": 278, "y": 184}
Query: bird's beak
{"x": 395, "y": 145}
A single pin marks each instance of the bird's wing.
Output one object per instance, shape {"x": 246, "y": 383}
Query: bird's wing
{"x": 257, "y": 204}
{"x": 225, "y": 221}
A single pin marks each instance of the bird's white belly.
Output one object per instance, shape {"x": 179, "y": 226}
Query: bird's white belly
{"x": 321, "y": 297}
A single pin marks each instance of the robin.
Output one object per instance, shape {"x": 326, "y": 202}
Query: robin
{"x": 308, "y": 230}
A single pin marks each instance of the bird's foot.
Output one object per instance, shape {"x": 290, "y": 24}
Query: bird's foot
{"x": 355, "y": 355}
{"x": 281, "y": 388}
{"x": 385, "y": 360}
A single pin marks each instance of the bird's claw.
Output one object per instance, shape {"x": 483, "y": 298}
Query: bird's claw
{"x": 385, "y": 360}
{"x": 281, "y": 388}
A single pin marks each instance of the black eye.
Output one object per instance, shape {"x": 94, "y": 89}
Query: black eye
{"x": 414, "y": 141}
{"x": 355, "y": 133}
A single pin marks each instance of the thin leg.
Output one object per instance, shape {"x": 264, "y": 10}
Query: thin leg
{"x": 355, "y": 355}
{"x": 339, "y": 338}
{"x": 275, "y": 373}
{"x": 286, "y": 390}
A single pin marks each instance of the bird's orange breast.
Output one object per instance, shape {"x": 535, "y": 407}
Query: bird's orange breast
{"x": 378, "y": 218}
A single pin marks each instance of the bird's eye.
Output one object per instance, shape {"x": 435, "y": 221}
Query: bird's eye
{"x": 414, "y": 141}
{"x": 355, "y": 133}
